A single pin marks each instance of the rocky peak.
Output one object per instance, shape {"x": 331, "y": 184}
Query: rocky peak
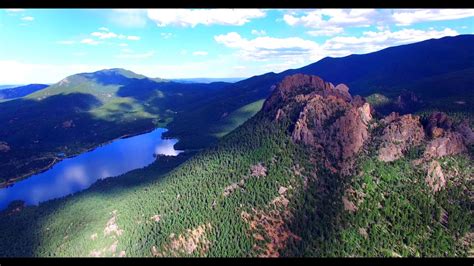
{"x": 323, "y": 116}
{"x": 300, "y": 88}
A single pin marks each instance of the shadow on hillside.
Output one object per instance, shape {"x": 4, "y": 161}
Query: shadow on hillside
{"x": 318, "y": 219}
{"x": 21, "y": 230}
{"x": 37, "y": 130}
{"x": 60, "y": 123}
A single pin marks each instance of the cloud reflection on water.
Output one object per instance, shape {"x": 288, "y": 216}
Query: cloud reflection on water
{"x": 78, "y": 173}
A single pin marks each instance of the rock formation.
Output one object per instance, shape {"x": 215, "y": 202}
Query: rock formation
{"x": 435, "y": 177}
{"x": 438, "y": 123}
{"x": 399, "y": 134}
{"x": 325, "y": 117}
{"x": 452, "y": 143}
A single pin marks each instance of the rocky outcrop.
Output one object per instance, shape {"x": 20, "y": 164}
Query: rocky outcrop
{"x": 452, "y": 143}
{"x": 399, "y": 134}
{"x": 325, "y": 117}
{"x": 336, "y": 125}
{"x": 466, "y": 132}
{"x": 258, "y": 170}
{"x": 4, "y": 147}
{"x": 438, "y": 123}
{"x": 446, "y": 139}
{"x": 296, "y": 90}
{"x": 435, "y": 177}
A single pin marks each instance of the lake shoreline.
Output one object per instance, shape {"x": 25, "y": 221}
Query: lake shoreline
{"x": 64, "y": 179}
{"x": 56, "y": 159}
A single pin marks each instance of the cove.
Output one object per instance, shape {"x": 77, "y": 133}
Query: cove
{"x": 80, "y": 172}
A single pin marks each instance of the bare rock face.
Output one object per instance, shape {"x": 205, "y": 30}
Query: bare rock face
{"x": 297, "y": 89}
{"x": 466, "y": 132}
{"x": 325, "y": 117}
{"x": 435, "y": 177}
{"x": 4, "y": 147}
{"x": 438, "y": 124}
{"x": 400, "y": 133}
{"x": 258, "y": 170}
{"x": 452, "y": 143}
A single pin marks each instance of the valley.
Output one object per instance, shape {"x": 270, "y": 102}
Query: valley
{"x": 367, "y": 155}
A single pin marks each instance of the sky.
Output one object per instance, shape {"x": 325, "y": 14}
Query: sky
{"x": 47, "y": 45}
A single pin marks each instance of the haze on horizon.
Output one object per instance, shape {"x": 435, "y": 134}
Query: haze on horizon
{"x": 46, "y": 45}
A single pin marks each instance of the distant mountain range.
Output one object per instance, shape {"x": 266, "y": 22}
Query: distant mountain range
{"x": 207, "y": 80}
{"x": 21, "y": 91}
{"x": 439, "y": 72}
{"x": 6, "y": 86}
{"x": 314, "y": 173}
{"x": 436, "y": 74}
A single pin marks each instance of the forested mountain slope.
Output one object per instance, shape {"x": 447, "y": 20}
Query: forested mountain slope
{"x": 432, "y": 75}
{"x": 17, "y": 92}
{"x": 85, "y": 110}
{"x": 316, "y": 172}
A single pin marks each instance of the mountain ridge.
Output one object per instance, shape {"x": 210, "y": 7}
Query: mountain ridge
{"x": 270, "y": 189}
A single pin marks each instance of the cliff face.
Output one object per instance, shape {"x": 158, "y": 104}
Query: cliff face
{"x": 337, "y": 125}
{"x": 325, "y": 117}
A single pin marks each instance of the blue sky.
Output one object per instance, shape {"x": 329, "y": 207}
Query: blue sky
{"x": 46, "y": 45}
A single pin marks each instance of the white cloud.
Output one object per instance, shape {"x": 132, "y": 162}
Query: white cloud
{"x": 90, "y": 41}
{"x": 28, "y": 18}
{"x": 372, "y": 41}
{"x": 103, "y": 29}
{"x": 200, "y": 53}
{"x": 328, "y": 31}
{"x": 166, "y": 35}
{"x": 17, "y": 72}
{"x": 66, "y": 42}
{"x": 133, "y": 38}
{"x": 265, "y": 48}
{"x": 332, "y": 21}
{"x": 287, "y": 52}
{"x": 104, "y": 35}
{"x": 131, "y": 18}
{"x": 193, "y": 17}
{"x": 129, "y": 54}
{"x": 259, "y": 32}
{"x": 14, "y": 10}
{"x": 408, "y": 17}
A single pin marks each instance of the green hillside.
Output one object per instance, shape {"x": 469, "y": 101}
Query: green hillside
{"x": 434, "y": 70}
{"x": 256, "y": 193}
{"x": 84, "y": 111}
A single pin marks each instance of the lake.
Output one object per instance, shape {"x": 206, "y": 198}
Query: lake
{"x": 78, "y": 173}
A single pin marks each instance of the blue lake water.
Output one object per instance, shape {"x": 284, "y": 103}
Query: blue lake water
{"x": 80, "y": 172}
